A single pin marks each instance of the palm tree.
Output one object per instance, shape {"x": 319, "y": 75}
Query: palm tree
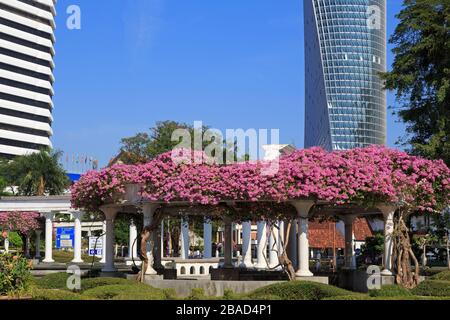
{"x": 39, "y": 174}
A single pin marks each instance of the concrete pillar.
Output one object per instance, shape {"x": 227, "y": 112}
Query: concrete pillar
{"x": 157, "y": 249}
{"x": 388, "y": 214}
{"x": 303, "y": 208}
{"x": 48, "y": 237}
{"x": 27, "y": 246}
{"x": 238, "y": 234}
{"x": 6, "y": 245}
{"x": 132, "y": 250}
{"x": 161, "y": 242}
{"x": 261, "y": 245}
{"x": 292, "y": 245}
{"x": 110, "y": 215}
{"x": 281, "y": 237}
{"x": 350, "y": 261}
{"x": 207, "y": 238}
{"x": 38, "y": 244}
{"x": 103, "y": 259}
{"x": 246, "y": 245}
{"x": 184, "y": 238}
{"x": 149, "y": 211}
{"x": 273, "y": 246}
{"x": 77, "y": 245}
{"x": 228, "y": 245}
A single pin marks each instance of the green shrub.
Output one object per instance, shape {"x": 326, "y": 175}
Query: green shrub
{"x": 197, "y": 294}
{"x": 125, "y": 292}
{"x": 268, "y": 297}
{"x": 350, "y": 297}
{"x": 170, "y": 294}
{"x": 434, "y": 288}
{"x": 55, "y": 294}
{"x": 299, "y": 290}
{"x": 15, "y": 275}
{"x": 53, "y": 281}
{"x": 443, "y": 275}
{"x": 15, "y": 240}
{"x": 390, "y": 290}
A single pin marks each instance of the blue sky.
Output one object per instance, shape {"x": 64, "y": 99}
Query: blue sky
{"x": 231, "y": 64}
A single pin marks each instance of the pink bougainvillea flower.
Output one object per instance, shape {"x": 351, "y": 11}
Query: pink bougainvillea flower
{"x": 364, "y": 176}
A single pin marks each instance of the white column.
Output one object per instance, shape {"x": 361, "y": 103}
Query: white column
{"x": 48, "y": 237}
{"x": 262, "y": 245}
{"x": 246, "y": 245}
{"x": 207, "y": 234}
{"x": 77, "y": 245}
{"x": 350, "y": 262}
{"x": 6, "y": 245}
{"x": 132, "y": 251}
{"x": 149, "y": 211}
{"x": 38, "y": 244}
{"x": 110, "y": 215}
{"x": 388, "y": 214}
{"x": 228, "y": 245}
{"x": 103, "y": 259}
{"x": 184, "y": 238}
{"x": 303, "y": 208}
{"x": 273, "y": 246}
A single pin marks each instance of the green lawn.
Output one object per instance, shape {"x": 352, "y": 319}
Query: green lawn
{"x": 53, "y": 287}
{"x": 67, "y": 256}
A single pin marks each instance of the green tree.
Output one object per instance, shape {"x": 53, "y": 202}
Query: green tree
{"x": 38, "y": 174}
{"x": 421, "y": 76}
{"x": 143, "y": 147}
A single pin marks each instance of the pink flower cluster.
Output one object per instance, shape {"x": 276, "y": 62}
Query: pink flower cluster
{"x": 365, "y": 176}
{"x": 22, "y": 222}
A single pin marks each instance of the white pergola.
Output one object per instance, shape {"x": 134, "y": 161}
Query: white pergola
{"x": 47, "y": 206}
{"x": 131, "y": 202}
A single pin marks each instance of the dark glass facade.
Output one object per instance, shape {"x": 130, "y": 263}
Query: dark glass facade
{"x": 345, "y": 49}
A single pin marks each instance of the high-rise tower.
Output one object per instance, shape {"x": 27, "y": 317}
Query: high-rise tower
{"x": 26, "y": 75}
{"x": 345, "y": 50}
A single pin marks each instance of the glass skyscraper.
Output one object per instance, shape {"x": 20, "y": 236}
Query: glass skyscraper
{"x": 345, "y": 49}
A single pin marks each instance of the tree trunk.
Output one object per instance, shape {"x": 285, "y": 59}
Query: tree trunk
{"x": 403, "y": 256}
{"x": 147, "y": 235}
{"x": 283, "y": 258}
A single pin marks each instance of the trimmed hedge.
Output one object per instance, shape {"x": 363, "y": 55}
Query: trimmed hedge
{"x": 125, "y": 292}
{"x": 55, "y": 294}
{"x": 434, "y": 288}
{"x": 53, "y": 281}
{"x": 443, "y": 275}
{"x": 390, "y": 290}
{"x": 299, "y": 290}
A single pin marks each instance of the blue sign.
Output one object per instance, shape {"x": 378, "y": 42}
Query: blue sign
{"x": 65, "y": 237}
{"x": 95, "y": 246}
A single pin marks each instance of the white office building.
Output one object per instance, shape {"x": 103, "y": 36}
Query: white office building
{"x": 26, "y": 75}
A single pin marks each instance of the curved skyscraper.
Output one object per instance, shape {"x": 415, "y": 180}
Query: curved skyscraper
{"x": 26, "y": 75}
{"x": 345, "y": 49}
